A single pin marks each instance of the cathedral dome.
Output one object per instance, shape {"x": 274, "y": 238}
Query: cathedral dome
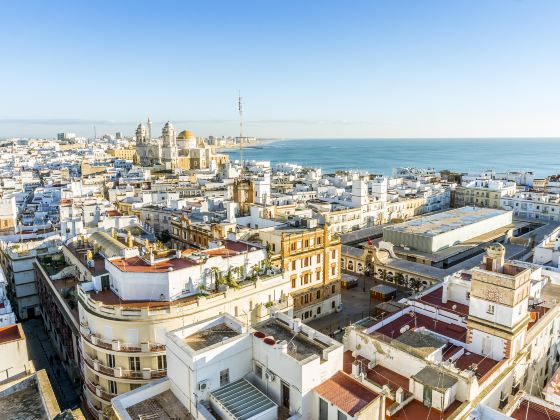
{"x": 185, "y": 135}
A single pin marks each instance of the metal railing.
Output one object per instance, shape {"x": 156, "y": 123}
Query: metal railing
{"x": 97, "y": 390}
{"x": 118, "y": 372}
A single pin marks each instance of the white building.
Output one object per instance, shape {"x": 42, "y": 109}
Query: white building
{"x": 280, "y": 368}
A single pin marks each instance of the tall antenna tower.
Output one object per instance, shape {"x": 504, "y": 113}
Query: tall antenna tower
{"x": 240, "y": 107}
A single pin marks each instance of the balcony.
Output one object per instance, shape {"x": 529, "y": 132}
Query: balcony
{"x": 98, "y": 391}
{"x": 118, "y": 345}
{"x": 118, "y": 372}
{"x": 95, "y": 412}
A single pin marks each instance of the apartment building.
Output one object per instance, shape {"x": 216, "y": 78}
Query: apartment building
{"x": 310, "y": 257}
{"x": 533, "y": 205}
{"x": 17, "y": 261}
{"x": 482, "y": 193}
{"x": 149, "y": 291}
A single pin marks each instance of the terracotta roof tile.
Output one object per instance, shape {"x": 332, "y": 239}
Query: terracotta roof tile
{"x": 346, "y": 393}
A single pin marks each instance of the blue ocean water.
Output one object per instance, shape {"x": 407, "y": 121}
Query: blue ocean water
{"x": 542, "y": 156}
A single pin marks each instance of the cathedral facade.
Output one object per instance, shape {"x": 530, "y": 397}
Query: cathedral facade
{"x": 169, "y": 151}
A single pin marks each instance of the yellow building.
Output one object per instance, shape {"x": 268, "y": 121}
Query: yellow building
{"x": 310, "y": 258}
{"x": 127, "y": 153}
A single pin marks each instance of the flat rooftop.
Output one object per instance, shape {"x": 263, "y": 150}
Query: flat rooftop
{"x": 164, "y": 406}
{"x": 480, "y": 364}
{"x": 210, "y": 336}
{"x": 438, "y": 223}
{"x": 531, "y": 410}
{"x": 434, "y": 299}
{"x": 299, "y": 346}
{"x": 416, "y": 320}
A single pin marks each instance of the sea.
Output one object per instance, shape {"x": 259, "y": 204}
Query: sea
{"x": 380, "y": 156}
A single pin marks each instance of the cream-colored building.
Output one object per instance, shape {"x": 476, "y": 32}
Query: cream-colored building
{"x": 147, "y": 292}
{"x": 483, "y": 193}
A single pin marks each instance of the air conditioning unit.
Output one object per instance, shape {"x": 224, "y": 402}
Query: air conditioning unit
{"x": 202, "y": 385}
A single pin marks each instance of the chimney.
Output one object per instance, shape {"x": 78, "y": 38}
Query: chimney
{"x": 356, "y": 369}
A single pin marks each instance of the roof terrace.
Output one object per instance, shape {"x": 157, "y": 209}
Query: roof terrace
{"x": 300, "y": 345}
{"x": 210, "y": 336}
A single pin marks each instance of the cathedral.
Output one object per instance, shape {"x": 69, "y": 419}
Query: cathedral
{"x": 169, "y": 151}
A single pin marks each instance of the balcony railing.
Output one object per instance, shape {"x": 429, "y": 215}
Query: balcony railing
{"x": 118, "y": 372}
{"x": 94, "y": 411}
{"x": 97, "y": 390}
{"x": 119, "y": 346}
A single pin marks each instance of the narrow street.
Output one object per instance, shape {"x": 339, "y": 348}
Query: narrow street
{"x": 41, "y": 351}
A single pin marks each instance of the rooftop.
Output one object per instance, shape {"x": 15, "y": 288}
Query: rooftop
{"x": 438, "y": 223}
{"x": 346, "y": 393}
{"x": 479, "y": 364}
{"x": 11, "y": 333}
{"x": 210, "y": 336}
{"x": 416, "y": 320}
{"x": 531, "y": 410}
{"x": 379, "y": 374}
{"x": 138, "y": 265}
{"x": 164, "y": 406}
{"x": 435, "y": 378}
{"x": 434, "y": 299}
{"x": 300, "y": 347}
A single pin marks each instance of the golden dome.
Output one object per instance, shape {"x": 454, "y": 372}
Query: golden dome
{"x": 185, "y": 134}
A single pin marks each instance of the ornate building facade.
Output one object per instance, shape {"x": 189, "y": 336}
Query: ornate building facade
{"x": 182, "y": 151}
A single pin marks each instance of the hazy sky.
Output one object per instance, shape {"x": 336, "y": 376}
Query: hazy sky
{"x": 390, "y": 68}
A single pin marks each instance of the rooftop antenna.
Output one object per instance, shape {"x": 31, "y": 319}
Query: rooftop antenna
{"x": 240, "y": 107}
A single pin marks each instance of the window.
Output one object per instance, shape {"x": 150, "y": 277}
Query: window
{"x": 318, "y": 294}
{"x": 258, "y": 370}
{"x": 293, "y": 265}
{"x": 333, "y": 255}
{"x": 224, "y": 377}
{"x": 319, "y": 310}
{"x": 333, "y": 270}
{"x": 333, "y": 289}
{"x": 306, "y": 243}
{"x": 490, "y": 310}
{"x": 319, "y": 240}
{"x": 112, "y": 387}
{"x": 162, "y": 362}
{"x": 293, "y": 282}
{"x": 134, "y": 363}
{"x": 468, "y": 295}
{"x": 332, "y": 304}
{"x": 111, "y": 360}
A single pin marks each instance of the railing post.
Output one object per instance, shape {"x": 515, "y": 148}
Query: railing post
{"x": 116, "y": 345}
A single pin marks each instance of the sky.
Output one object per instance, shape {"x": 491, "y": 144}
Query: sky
{"x": 305, "y": 69}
